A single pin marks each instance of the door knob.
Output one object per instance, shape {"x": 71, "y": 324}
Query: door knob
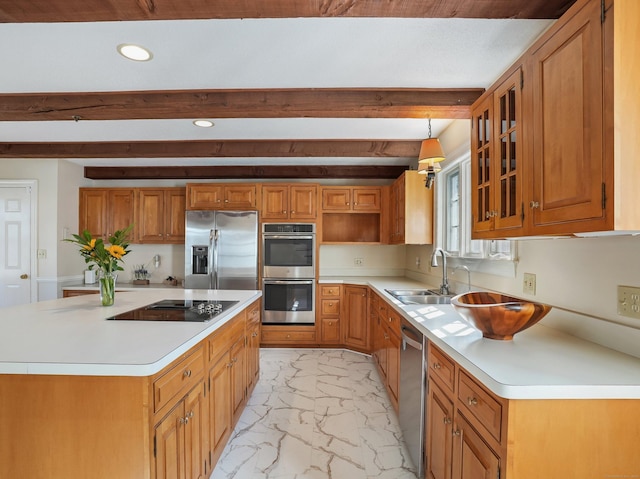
{"x": 24, "y": 276}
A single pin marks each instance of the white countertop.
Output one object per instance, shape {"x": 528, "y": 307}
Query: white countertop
{"x": 539, "y": 363}
{"x": 72, "y": 337}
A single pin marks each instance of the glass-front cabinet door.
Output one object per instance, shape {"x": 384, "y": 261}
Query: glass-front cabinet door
{"x": 481, "y": 151}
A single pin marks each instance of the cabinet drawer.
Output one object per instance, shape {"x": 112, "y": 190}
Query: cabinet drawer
{"x": 179, "y": 378}
{"x": 330, "y": 291}
{"x": 330, "y": 306}
{"x": 330, "y": 330}
{"x": 481, "y": 404}
{"x": 442, "y": 367}
{"x": 393, "y": 320}
{"x": 253, "y": 313}
{"x": 287, "y": 335}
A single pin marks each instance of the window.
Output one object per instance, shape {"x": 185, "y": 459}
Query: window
{"x": 454, "y": 220}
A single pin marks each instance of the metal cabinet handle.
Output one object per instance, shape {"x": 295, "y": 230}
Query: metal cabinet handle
{"x": 24, "y": 276}
{"x": 447, "y": 420}
{"x": 187, "y": 373}
{"x": 534, "y": 204}
{"x": 436, "y": 366}
{"x": 190, "y": 414}
{"x": 472, "y": 401}
{"x": 456, "y": 432}
{"x": 255, "y": 333}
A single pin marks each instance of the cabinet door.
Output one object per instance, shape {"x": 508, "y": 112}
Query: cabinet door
{"x": 196, "y": 450}
{"x": 253, "y": 355}
{"x": 330, "y": 330}
{"x": 275, "y": 202}
{"x": 240, "y": 197}
{"x": 472, "y": 457}
{"x": 121, "y": 211}
{"x": 151, "y": 214}
{"x": 366, "y": 199}
{"x": 169, "y": 445}
{"x": 393, "y": 366}
{"x": 438, "y": 433}
{"x": 508, "y": 153}
{"x": 481, "y": 150}
{"x": 205, "y": 197}
{"x": 174, "y": 220}
{"x": 303, "y": 202}
{"x": 93, "y": 211}
{"x": 356, "y": 318}
{"x": 336, "y": 199}
{"x": 568, "y": 161}
{"x": 238, "y": 381}
{"x": 220, "y": 405}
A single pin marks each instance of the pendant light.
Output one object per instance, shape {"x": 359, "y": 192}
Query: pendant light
{"x": 429, "y": 159}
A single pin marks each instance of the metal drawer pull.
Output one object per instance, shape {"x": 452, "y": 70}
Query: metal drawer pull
{"x": 456, "y": 432}
{"x": 187, "y": 373}
{"x": 447, "y": 420}
{"x": 436, "y": 366}
{"x": 472, "y": 401}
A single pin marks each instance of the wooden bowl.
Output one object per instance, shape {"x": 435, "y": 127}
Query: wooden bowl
{"x": 498, "y": 316}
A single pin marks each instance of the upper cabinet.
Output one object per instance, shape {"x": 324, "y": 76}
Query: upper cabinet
{"x": 157, "y": 214}
{"x": 289, "y": 202}
{"x": 103, "y": 211}
{"x": 161, "y": 217}
{"x": 348, "y": 198}
{"x": 410, "y": 210}
{"x": 221, "y": 196}
{"x": 555, "y": 152}
{"x": 351, "y": 214}
{"x": 496, "y": 148}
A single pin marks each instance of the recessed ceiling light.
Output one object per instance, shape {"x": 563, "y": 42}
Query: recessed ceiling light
{"x": 134, "y": 52}
{"x": 203, "y": 123}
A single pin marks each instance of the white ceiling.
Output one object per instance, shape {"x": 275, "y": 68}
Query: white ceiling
{"x": 253, "y": 53}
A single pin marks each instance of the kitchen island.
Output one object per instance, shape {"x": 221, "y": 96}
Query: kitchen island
{"x": 83, "y": 396}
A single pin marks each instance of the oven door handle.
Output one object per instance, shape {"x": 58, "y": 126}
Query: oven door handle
{"x": 280, "y": 281}
{"x": 288, "y": 237}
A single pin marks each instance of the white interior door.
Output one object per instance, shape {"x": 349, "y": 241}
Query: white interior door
{"x": 15, "y": 245}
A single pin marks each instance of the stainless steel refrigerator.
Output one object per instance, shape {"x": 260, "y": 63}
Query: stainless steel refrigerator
{"x": 221, "y": 250}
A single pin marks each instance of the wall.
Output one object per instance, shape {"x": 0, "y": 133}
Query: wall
{"x": 338, "y": 260}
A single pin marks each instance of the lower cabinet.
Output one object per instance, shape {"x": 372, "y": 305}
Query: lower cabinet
{"x": 329, "y": 325}
{"x": 356, "y": 318}
{"x": 180, "y": 439}
{"x": 385, "y": 324}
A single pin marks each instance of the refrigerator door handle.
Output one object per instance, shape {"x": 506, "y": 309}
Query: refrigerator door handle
{"x": 213, "y": 237}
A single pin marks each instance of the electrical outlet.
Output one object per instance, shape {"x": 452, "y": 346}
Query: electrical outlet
{"x": 418, "y": 261}
{"x": 42, "y": 254}
{"x": 358, "y": 261}
{"x": 529, "y": 285}
{"x": 629, "y": 301}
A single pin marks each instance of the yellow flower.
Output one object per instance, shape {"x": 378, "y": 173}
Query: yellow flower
{"x": 91, "y": 245}
{"x": 116, "y": 251}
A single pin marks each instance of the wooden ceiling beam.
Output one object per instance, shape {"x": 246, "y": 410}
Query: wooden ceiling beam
{"x": 215, "y": 149}
{"x": 270, "y": 103}
{"x": 245, "y": 172}
{"x": 121, "y": 10}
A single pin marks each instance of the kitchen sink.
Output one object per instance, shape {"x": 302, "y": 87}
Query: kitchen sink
{"x": 419, "y": 296}
{"x": 424, "y": 299}
{"x": 411, "y": 292}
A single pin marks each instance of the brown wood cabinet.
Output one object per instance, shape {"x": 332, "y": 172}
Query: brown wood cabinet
{"x": 160, "y": 215}
{"x": 385, "y": 325}
{"x": 351, "y": 198}
{"x": 356, "y": 318}
{"x": 497, "y": 158}
{"x": 329, "y": 305}
{"x": 574, "y": 132}
{"x": 103, "y": 211}
{"x": 410, "y": 210}
{"x": 289, "y": 202}
{"x": 221, "y": 196}
{"x": 464, "y": 424}
{"x": 254, "y": 323}
{"x": 288, "y": 336}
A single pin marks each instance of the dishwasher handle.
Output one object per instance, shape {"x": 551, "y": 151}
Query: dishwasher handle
{"x": 406, "y": 340}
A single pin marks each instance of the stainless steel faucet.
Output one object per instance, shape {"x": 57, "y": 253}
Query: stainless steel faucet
{"x": 444, "y": 287}
{"x": 461, "y": 266}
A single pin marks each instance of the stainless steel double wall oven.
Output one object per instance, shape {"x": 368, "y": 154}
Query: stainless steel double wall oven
{"x": 288, "y": 273}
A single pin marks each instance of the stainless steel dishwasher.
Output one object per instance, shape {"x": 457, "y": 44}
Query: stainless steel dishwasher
{"x": 412, "y": 393}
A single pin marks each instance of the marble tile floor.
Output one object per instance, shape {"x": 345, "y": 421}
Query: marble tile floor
{"x": 316, "y": 414}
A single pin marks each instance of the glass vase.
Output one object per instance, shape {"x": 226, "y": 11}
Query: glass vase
{"x": 107, "y": 288}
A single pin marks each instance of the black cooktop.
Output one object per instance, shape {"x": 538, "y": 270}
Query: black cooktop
{"x": 189, "y": 310}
